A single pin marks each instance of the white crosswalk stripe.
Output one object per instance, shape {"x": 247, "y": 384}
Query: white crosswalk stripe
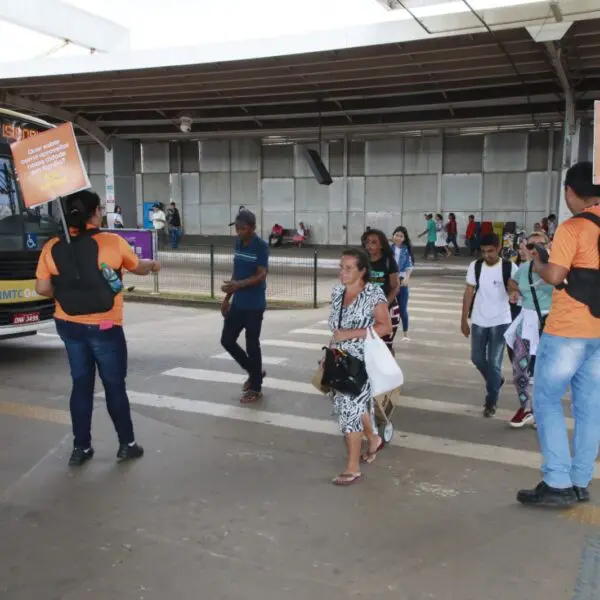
{"x": 325, "y": 333}
{"x": 404, "y": 439}
{"x": 437, "y": 350}
{"x": 267, "y": 360}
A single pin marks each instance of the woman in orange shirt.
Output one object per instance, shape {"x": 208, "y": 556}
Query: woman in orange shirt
{"x": 84, "y": 278}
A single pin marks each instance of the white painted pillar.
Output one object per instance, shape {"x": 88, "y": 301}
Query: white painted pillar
{"x": 120, "y": 180}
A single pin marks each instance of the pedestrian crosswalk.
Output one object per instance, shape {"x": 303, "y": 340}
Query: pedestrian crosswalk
{"x": 437, "y": 354}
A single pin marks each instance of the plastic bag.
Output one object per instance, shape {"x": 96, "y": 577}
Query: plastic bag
{"x": 384, "y": 373}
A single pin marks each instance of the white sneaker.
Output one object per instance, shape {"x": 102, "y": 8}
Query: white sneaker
{"x": 406, "y": 339}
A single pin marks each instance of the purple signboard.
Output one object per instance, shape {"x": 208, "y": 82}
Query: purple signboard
{"x": 140, "y": 240}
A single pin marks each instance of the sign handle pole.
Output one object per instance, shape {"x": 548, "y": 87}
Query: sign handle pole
{"x": 63, "y": 219}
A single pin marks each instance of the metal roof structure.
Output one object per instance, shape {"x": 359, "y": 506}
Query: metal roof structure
{"x": 493, "y": 76}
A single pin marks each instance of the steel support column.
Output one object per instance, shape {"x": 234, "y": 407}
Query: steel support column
{"x": 572, "y": 126}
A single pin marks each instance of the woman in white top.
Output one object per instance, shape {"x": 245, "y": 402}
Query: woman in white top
{"x": 114, "y": 220}
{"x": 441, "y": 237}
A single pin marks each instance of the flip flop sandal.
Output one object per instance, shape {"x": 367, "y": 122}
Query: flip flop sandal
{"x": 247, "y": 383}
{"x": 250, "y": 397}
{"x": 369, "y": 457}
{"x": 345, "y": 479}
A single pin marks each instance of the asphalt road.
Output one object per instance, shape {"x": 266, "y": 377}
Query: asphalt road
{"x": 235, "y": 502}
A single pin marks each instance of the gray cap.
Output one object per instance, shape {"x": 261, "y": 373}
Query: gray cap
{"x": 244, "y": 217}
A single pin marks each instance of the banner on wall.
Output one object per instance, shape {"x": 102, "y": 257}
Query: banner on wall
{"x": 596, "y": 152}
{"x": 140, "y": 240}
{"x": 49, "y": 165}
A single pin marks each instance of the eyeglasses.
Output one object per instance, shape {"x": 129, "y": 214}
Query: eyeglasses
{"x": 530, "y": 246}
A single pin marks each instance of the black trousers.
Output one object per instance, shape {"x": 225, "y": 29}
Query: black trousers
{"x": 236, "y": 321}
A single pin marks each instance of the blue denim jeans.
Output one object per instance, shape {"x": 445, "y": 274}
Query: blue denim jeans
{"x": 175, "y": 235}
{"x": 88, "y": 348}
{"x": 562, "y": 362}
{"x": 487, "y": 353}
{"x": 402, "y": 298}
{"x": 250, "y": 360}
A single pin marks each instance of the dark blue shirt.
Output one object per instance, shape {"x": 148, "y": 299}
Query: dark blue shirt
{"x": 245, "y": 263}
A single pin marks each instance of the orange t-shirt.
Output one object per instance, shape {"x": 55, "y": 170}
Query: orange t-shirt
{"x": 575, "y": 244}
{"x": 112, "y": 250}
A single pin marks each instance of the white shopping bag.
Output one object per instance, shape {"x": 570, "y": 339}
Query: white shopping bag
{"x": 384, "y": 373}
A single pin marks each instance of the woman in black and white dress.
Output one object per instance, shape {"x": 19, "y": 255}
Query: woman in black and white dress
{"x": 363, "y": 305}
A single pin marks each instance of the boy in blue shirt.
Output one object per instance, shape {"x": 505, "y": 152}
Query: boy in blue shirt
{"x": 247, "y": 287}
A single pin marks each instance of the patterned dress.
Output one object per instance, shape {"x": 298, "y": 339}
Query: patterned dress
{"x": 358, "y": 315}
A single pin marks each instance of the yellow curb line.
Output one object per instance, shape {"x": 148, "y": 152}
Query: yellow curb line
{"x": 585, "y": 514}
{"x": 40, "y": 413}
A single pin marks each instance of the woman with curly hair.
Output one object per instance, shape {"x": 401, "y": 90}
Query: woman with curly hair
{"x": 383, "y": 273}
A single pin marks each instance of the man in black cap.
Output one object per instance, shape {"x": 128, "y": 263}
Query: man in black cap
{"x": 248, "y": 289}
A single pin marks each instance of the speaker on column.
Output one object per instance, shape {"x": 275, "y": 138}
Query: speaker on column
{"x": 316, "y": 165}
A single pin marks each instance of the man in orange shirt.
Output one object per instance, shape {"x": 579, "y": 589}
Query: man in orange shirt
{"x": 84, "y": 279}
{"x": 569, "y": 350}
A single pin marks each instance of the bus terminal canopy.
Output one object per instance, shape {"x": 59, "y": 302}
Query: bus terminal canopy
{"x": 515, "y": 65}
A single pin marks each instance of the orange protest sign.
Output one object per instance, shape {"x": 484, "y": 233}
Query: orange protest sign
{"x": 596, "y": 153}
{"x": 49, "y": 165}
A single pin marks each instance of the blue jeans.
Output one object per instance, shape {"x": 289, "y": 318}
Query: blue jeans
{"x": 562, "y": 362}
{"x": 175, "y": 235}
{"x": 250, "y": 360}
{"x": 88, "y": 348}
{"x": 402, "y": 298}
{"x": 452, "y": 239}
{"x": 487, "y": 353}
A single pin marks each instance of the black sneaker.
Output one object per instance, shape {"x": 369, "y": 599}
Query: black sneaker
{"x": 127, "y": 452}
{"x": 80, "y": 456}
{"x": 544, "y": 495}
{"x": 582, "y": 493}
{"x": 489, "y": 411}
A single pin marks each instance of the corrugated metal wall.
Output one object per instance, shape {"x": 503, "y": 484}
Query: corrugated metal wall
{"x": 380, "y": 183}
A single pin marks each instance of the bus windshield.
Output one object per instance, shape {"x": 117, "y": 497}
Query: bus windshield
{"x": 20, "y": 228}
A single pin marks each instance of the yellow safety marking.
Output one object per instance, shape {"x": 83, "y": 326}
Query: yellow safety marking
{"x": 30, "y": 411}
{"x": 585, "y": 514}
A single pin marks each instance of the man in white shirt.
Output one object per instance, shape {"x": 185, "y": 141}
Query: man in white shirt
{"x": 486, "y": 303}
{"x": 159, "y": 221}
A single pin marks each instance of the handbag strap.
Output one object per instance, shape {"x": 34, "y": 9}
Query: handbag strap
{"x": 534, "y": 293}
{"x": 341, "y": 309}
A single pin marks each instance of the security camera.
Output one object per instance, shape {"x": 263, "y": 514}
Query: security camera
{"x": 185, "y": 124}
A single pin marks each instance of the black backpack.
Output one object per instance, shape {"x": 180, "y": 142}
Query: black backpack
{"x": 506, "y": 273}
{"x": 583, "y": 284}
{"x": 80, "y": 287}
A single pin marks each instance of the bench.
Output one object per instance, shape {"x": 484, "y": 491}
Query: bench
{"x": 288, "y": 236}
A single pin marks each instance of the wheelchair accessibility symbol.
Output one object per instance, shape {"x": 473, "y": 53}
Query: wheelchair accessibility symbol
{"x": 31, "y": 241}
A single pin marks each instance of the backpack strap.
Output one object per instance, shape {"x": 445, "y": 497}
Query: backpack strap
{"x": 594, "y": 219}
{"x": 478, "y": 267}
{"x": 506, "y": 272}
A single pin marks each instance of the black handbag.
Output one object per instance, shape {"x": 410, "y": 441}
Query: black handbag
{"x": 343, "y": 372}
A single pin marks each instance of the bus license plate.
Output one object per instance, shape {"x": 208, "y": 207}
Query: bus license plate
{"x": 24, "y": 318}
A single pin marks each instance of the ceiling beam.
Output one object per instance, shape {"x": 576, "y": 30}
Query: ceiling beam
{"x": 393, "y": 108}
{"x": 27, "y": 104}
{"x": 65, "y": 22}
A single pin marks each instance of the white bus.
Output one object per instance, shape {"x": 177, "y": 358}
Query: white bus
{"x": 23, "y": 233}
